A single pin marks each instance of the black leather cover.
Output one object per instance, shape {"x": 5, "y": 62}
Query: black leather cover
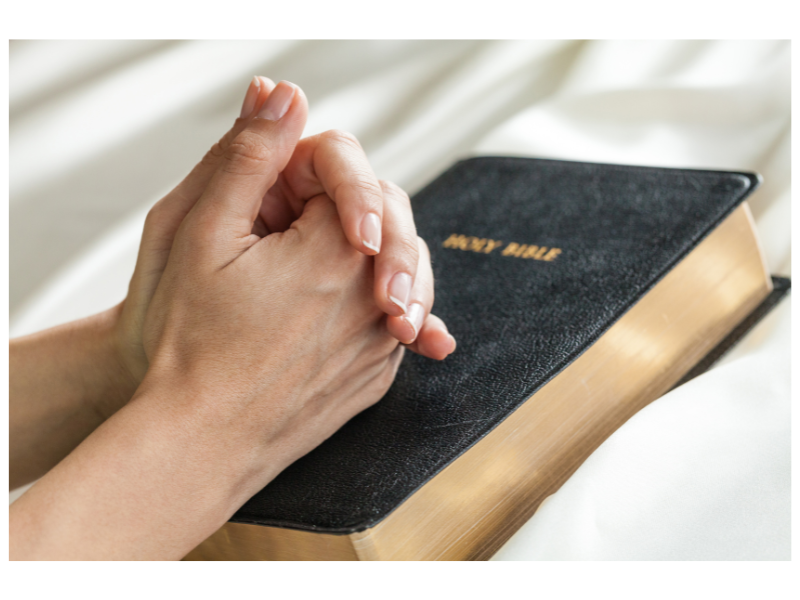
{"x": 518, "y": 321}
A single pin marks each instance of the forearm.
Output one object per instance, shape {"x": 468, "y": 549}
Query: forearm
{"x": 151, "y": 483}
{"x": 64, "y": 382}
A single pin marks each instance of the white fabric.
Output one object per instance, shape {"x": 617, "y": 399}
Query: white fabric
{"x": 99, "y": 130}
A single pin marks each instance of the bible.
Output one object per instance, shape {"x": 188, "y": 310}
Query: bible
{"x": 578, "y": 293}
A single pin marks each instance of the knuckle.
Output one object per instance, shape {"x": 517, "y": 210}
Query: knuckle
{"x": 406, "y": 246}
{"x": 201, "y": 227}
{"x": 157, "y": 214}
{"x": 246, "y": 155}
{"x": 322, "y": 211}
{"x": 360, "y": 191}
{"x": 362, "y": 186}
{"x": 213, "y": 155}
{"x": 395, "y": 192}
{"x": 337, "y": 137}
{"x": 155, "y": 211}
{"x": 400, "y": 253}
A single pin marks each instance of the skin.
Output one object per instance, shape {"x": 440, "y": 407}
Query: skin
{"x": 256, "y": 324}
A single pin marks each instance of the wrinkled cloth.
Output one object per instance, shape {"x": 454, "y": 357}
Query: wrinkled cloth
{"x": 100, "y": 130}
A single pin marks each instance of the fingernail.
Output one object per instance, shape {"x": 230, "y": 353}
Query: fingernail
{"x": 414, "y": 317}
{"x": 278, "y": 102}
{"x": 399, "y": 290}
{"x": 371, "y": 232}
{"x": 250, "y": 97}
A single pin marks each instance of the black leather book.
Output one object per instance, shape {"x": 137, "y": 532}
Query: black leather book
{"x": 578, "y": 293}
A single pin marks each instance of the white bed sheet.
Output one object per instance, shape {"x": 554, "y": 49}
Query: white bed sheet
{"x": 99, "y": 130}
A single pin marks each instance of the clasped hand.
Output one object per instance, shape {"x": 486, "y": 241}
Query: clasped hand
{"x": 274, "y": 292}
{"x": 262, "y": 175}
{"x": 269, "y": 289}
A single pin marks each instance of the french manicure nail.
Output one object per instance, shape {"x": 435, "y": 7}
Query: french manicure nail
{"x": 278, "y": 102}
{"x": 250, "y": 97}
{"x": 414, "y": 317}
{"x": 371, "y": 232}
{"x": 399, "y": 290}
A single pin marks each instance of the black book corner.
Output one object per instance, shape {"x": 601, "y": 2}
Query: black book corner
{"x": 533, "y": 259}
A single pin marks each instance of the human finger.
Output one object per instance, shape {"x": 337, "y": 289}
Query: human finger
{"x": 183, "y": 197}
{"x": 397, "y": 265}
{"x": 161, "y": 225}
{"x": 248, "y": 168}
{"x": 407, "y": 327}
{"x": 434, "y": 340}
{"x": 334, "y": 163}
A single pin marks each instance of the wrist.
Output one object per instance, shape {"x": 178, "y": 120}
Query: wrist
{"x": 115, "y": 381}
{"x": 216, "y": 427}
{"x": 64, "y": 383}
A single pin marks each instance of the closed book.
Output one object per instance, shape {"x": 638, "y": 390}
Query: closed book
{"x": 578, "y": 293}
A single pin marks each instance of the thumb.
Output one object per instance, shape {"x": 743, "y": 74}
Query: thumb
{"x": 320, "y": 224}
{"x": 319, "y": 232}
{"x": 250, "y": 165}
